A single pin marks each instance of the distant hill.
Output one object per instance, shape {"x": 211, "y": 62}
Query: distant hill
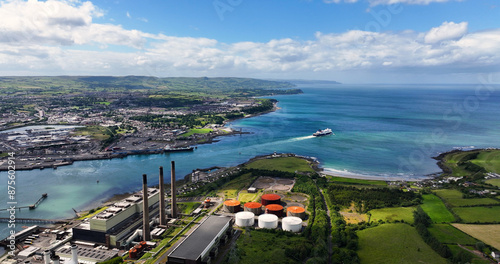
{"x": 302, "y": 82}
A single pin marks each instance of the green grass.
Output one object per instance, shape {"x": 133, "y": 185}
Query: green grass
{"x": 196, "y": 131}
{"x": 95, "y": 132}
{"x": 490, "y": 214}
{"x": 245, "y": 197}
{"x": 436, "y": 209}
{"x": 289, "y": 164}
{"x": 393, "y": 214}
{"x": 495, "y": 182}
{"x": 262, "y": 247}
{"x": 188, "y": 207}
{"x": 395, "y": 243}
{"x": 355, "y": 181}
{"x": 489, "y": 159}
{"x": 448, "y": 234}
{"x": 475, "y": 260}
{"x": 231, "y": 188}
{"x": 472, "y": 202}
{"x": 89, "y": 215}
{"x": 449, "y": 194}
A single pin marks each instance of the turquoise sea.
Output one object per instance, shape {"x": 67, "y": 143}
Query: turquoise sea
{"x": 387, "y": 131}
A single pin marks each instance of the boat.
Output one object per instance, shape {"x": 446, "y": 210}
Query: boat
{"x": 169, "y": 148}
{"x": 323, "y": 132}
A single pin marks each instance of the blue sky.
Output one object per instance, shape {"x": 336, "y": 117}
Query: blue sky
{"x": 351, "y": 41}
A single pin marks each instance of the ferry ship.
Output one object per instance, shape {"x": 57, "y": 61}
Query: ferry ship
{"x": 168, "y": 148}
{"x": 323, "y": 132}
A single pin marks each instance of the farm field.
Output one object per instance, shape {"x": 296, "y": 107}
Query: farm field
{"x": 265, "y": 247}
{"x": 448, "y": 234}
{"x": 489, "y": 234}
{"x": 449, "y": 194}
{"x": 355, "y": 181}
{"x": 475, "y": 259}
{"x": 481, "y": 214}
{"x": 495, "y": 182}
{"x": 472, "y": 202}
{"x": 288, "y": 164}
{"x": 404, "y": 246}
{"x": 436, "y": 209}
{"x": 393, "y": 214}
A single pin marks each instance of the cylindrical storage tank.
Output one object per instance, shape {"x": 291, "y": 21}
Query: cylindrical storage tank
{"x": 275, "y": 209}
{"x": 270, "y": 198}
{"x": 232, "y": 206}
{"x": 253, "y": 207}
{"x": 296, "y": 211}
{"x": 244, "y": 219}
{"x": 292, "y": 224}
{"x": 269, "y": 221}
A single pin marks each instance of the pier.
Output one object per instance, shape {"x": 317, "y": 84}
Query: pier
{"x": 32, "y": 206}
{"x": 34, "y": 220}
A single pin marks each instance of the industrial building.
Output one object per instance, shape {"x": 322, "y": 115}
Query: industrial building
{"x": 201, "y": 246}
{"x": 114, "y": 225}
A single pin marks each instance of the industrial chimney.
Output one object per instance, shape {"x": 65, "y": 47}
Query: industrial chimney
{"x": 145, "y": 209}
{"x": 163, "y": 219}
{"x": 173, "y": 191}
{"x": 74, "y": 254}
{"x": 46, "y": 256}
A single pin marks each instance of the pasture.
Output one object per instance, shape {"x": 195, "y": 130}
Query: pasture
{"x": 489, "y": 234}
{"x": 436, "y": 209}
{"x": 448, "y": 234}
{"x": 395, "y": 243}
{"x": 482, "y": 214}
{"x": 392, "y": 214}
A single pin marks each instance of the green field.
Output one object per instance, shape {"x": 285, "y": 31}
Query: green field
{"x": 475, "y": 259}
{"x": 188, "y": 207}
{"x": 489, "y": 159}
{"x": 245, "y": 197}
{"x": 196, "y": 131}
{"x": 464, "y": 163}
{"x": 231, "y": 189}
{"x": 490, "y": 214}
{"x": 489, "y": 234}
{"x": 263, "y": 247}
{"x": 449, "y": 194}
{"x": 289, "y": 164}
{"x": 436, "y": 209}
{"x": 355, "y": 181}
{"x": 448, "y": 234}
{"x": 472, "y": 202}
{"x": 393, "y": 214}
{"x": 395, "y": 243}
{"x": 495, "y": 182}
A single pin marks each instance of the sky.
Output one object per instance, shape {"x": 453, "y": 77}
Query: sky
{"x": 350, "y": 41}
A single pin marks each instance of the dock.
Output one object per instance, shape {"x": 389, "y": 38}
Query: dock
{"x": 32, "y": 206}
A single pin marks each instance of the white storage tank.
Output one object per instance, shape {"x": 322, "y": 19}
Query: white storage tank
{"x": 244, "y": 219}
{"x": 292, "y": 224}
{"x": 269, "y": 221}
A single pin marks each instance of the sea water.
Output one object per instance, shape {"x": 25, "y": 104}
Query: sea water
{"x": 386, "y": 131}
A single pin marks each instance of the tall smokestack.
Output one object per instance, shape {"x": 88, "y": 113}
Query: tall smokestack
{"x": 163, "y": 219}
{"x": 46, "y": 256}
{"x": 145, "y": 209}
{"x": 172, "y": 184}
{"x": 74, "y": 254}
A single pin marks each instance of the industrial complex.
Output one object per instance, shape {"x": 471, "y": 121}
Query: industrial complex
{"x": 136, "y": 224}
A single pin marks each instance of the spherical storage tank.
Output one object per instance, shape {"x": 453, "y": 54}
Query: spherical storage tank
{"x": 244, "y": 219}
{"x": 269, "y": 221}
{"x": 232, "y": 206}
{"x": 292, "y": 224}
{"x": 296, "y": 211}
{"x": 275, "y": 209}
{"x": 270, "y": 198}
{"x": 253, "y": 207}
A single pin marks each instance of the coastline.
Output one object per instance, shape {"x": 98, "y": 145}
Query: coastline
{"x": 55, "y": 161}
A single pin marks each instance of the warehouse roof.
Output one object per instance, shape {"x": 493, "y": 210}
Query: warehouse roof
{"x": 201, "y": 238}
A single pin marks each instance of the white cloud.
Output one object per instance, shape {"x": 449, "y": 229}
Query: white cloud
{"x": 57, "y": 39}
{"x": 447, "y": 31}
